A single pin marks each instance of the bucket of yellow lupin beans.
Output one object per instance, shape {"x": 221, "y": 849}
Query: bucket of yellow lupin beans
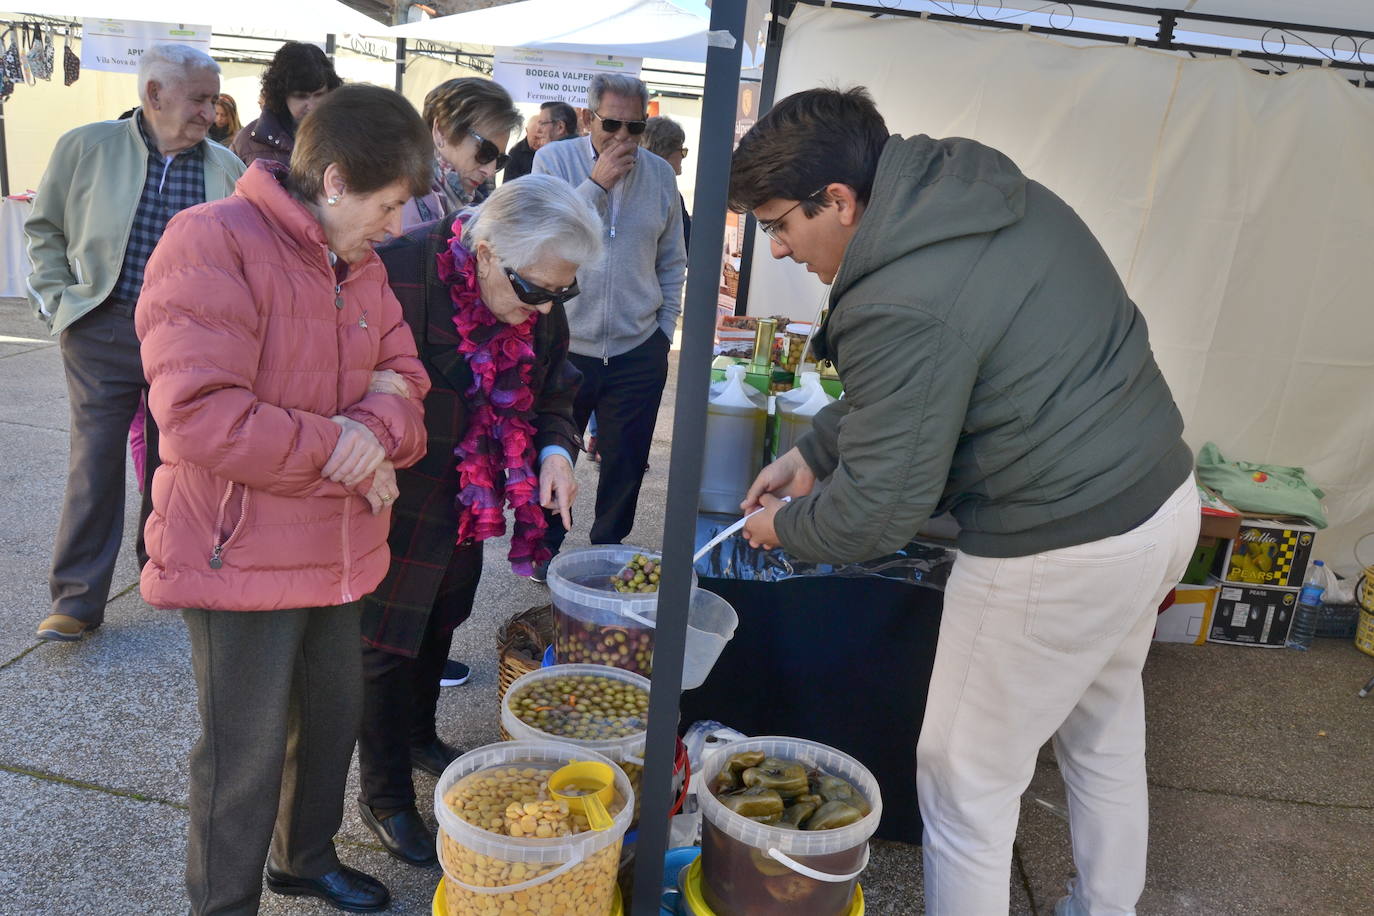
{"x": 509, "y": 848}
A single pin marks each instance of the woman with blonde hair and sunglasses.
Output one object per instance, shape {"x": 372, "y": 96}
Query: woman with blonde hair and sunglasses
{"x": 471, "y": 120}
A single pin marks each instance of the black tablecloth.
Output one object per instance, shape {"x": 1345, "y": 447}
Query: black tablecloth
{"x": 842, "y": 659}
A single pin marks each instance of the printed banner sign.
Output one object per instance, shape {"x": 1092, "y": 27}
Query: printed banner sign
{"x": 533, "y": 75}
{"x": 118, "y": 44}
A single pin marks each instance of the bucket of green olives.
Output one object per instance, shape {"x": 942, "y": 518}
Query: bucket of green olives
{"x": 785, "y": 827}
{"x": 592, "y": 707}
{"x": 605, "y": 602}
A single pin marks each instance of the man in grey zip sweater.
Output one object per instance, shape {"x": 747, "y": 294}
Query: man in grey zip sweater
{"x": 623, "y": 322}
{"x": 995, "y": 368}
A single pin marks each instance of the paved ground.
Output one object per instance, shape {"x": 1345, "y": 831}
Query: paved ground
{"x": 1262, "y": 797}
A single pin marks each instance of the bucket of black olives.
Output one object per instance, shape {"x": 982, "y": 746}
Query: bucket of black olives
{"x": 605, "y": 601}
{"x": 785, "y": 827}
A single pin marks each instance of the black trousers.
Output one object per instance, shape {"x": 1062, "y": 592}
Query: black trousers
{"x": 401, "y": 694}
{"x": 624, "y": 392}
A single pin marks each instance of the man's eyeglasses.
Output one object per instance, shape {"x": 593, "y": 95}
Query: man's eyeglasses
{"x": 772, "y": 227}
{"x": 488, "y": 151}
{"x": 532, "y": 294}
{"x": 613, "y": 126}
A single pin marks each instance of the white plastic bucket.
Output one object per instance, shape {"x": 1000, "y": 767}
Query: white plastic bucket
{"x": 489, "y": 874}
{"x": 752, "y": 869}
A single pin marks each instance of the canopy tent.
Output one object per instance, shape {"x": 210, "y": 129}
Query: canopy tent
{"x": 315, "y": 18}
{"x": 1203, "y": 267}
{"x": 625, "y": 28}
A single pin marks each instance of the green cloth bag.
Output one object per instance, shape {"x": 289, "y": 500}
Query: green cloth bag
{"x": 1261, "y": 489}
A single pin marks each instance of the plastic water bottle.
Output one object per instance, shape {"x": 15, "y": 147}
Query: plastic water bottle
{"x": 1309, "y": 608}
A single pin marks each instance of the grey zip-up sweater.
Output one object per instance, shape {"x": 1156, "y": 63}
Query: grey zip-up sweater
{"x": 993, "y": 367}
{"x": 635, "y": 286}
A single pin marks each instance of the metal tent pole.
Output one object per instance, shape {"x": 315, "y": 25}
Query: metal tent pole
{"x": 689, "y": 425}
{"x": 4, "y": 156}
{"x": 400, "y": 63}
{"x": 330, "y": 43}
{"x": 780, "y": 11}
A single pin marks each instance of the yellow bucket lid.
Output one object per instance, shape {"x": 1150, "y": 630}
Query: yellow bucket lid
{"x": 696, "y": 901}
{"x": 617, "y": 907}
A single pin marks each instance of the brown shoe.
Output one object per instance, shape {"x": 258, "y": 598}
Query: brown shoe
{"x": 64, "y": 628}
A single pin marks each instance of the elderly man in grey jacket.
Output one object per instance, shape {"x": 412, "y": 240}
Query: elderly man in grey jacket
{"x": 107, "y": 194}
{"x": 623, "y": 322}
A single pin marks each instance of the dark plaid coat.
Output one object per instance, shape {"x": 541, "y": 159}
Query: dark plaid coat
{"x": 424, "y": 522}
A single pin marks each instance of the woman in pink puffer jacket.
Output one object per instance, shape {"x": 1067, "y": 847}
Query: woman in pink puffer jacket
{"x": 286, "y": 386}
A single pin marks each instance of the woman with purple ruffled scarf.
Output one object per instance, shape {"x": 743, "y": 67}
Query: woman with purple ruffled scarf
{"x": 483, "y": 291}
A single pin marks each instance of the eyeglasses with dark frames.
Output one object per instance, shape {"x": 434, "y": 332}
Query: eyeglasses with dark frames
{"x": 488, "y": 151}
{"x": 533, "y": 294}
{"x": 772, "y": 227}
{"x": 613, "y": 125}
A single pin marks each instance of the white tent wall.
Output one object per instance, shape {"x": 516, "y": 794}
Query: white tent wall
{"x": 1237, "y": 207}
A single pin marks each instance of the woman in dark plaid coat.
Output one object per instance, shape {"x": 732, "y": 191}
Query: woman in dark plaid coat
{"x": 483, "y": 292}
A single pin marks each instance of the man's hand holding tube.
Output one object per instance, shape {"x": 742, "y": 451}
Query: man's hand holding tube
{"x": 789, "y": 476}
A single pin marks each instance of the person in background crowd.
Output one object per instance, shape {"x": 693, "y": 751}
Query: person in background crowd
{"x": 665, "y": 138}
{"x": 227, "y": 124}
{"x": 107, "y": 194}
{"x": 470, "y": 120}
{"x": 286, "y": 383}
{"x": 492, "y": 332}
{"x": 995, "y": 367}
{"x": 299, "y": 77}
{"x": 622, "y": 328}
{"x": 558, "y": 121}
{"x": 521, "y": 158}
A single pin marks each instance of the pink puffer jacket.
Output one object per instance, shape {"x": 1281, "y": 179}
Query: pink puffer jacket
{"x": 248, "y": 357}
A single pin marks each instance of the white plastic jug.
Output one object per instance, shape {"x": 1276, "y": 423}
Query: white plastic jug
{"x": 736, "y": 420}
{"x": 796, "y": 408}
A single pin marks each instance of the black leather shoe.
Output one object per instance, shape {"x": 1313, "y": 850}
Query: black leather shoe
{"x": 345, "y": 888}
{"x": 433, "y": 757}
{"x": 403, "y": 834}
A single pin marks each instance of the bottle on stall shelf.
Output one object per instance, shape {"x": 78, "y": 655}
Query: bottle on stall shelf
{"x": 1309, "y": 610}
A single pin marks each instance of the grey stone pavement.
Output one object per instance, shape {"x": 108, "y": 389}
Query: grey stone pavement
{"x": 1262, "y": 789}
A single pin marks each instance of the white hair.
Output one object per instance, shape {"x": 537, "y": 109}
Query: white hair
{"x": 167, "y": 63}
{"x": 533, "y": 217}
{"x": 616, "y": 84}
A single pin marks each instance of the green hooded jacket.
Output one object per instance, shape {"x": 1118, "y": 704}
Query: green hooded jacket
{"x": 994, "y": 367}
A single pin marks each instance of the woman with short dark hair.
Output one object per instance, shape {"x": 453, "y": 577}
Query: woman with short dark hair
{"x": 299, "y": 77}
{"x": 470, "y": 120}
{"x": 286, "y": 386}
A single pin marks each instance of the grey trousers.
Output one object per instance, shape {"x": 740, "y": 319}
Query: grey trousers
{"x": 280, "y": 697}
{"x": 104, "y": 381}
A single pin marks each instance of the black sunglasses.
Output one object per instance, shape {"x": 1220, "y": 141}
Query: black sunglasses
{"x": 487, "y": 151}
{"x": 612, "y": 125}
{"x": 530, "y": 294}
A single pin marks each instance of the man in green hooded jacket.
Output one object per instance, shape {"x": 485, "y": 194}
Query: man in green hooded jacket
{"x": 994, "y": 368}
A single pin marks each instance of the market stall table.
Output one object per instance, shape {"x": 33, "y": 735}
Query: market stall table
{"x": 839, "y": 655}
{"x": 13, "y": 283}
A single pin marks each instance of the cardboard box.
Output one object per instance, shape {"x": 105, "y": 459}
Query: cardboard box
{"x": 1271, "y": 552}
{"x": 1219, "y": 518}
{"x": 1249, "y": 615}
{"x": 1189, "y": 618}
{"x": 1204, "y": 558}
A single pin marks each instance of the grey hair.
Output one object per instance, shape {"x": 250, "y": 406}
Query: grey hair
{"x": 168, "y": 63}
{"x": 663, "y": 136}
{"x": 616, "y": 84}
{"x": 533, "y": 217}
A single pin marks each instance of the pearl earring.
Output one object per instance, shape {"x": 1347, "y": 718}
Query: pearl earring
{"x": 334, "y": 199}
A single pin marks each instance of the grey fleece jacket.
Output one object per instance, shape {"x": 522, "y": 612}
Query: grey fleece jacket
{"x": 636, "y": 285}
{"x": 993, "y": 367}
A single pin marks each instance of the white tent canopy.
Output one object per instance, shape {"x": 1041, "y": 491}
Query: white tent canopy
{"x": 626, "y": 28}
{"x": 296, "y": 17}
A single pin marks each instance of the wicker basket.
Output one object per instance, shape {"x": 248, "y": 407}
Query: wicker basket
{"x": 521, "y": 643}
